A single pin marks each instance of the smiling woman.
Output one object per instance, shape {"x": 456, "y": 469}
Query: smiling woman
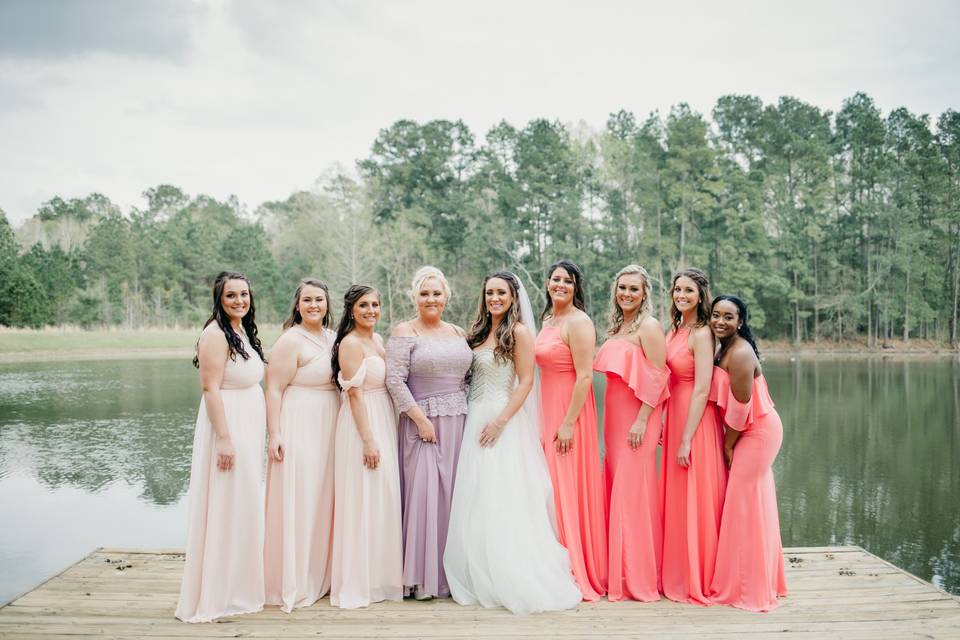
{"x": 224, "y": 565}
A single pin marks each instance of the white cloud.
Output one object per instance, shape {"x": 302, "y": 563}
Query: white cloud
{"x": 262, "y": 97}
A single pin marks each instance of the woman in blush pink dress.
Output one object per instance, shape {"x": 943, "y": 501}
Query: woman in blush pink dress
{"x": 223, "y": 574}
{"x": 749, "y": 569}
{"x": 568, "y": 422}
{"x": 302, "y": 407}
{"x": 367, "y": 536}
{"x": 693, "y": 475}
{"x": 634, "y": 361}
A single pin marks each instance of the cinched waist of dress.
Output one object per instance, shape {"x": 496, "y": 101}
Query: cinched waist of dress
{"x": 313, "y": 387}
{"x": 424, "y": 388}
{"x": 248, "y": 387}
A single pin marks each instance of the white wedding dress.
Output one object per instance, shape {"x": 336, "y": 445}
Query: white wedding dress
{"x": 502, "y": 549}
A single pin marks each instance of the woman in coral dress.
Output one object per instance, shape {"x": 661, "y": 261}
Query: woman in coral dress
{"x": 223, "y": 574}
{"x": 302, "y": 408}
{"x": 634, "y": 361}
{"x": 693, "y": 475}
{"x": 427, "y": 361}
{"x": 749, "y": 568}
{"x": 568, "y": 422}
{"x": 367, "y": 536}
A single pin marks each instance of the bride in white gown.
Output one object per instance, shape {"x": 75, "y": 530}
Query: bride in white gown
{"x": 502, "y": 549}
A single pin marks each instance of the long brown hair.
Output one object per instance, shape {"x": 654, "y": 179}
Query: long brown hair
{"x": 347, "y": 324}
{"x": 219, "y": 315}
{"x": 296, "y": 318}
{"x": 505, "y": 342}
{"x": 703, "y": 288}
{"x": 616, "y": 314}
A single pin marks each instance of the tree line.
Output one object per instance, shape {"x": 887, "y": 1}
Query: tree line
{"x": 832, "y": 226}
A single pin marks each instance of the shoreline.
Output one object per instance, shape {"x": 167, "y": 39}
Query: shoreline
{"x": 776, "y": 353}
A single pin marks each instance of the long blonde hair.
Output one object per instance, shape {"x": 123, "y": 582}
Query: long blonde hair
{"x": 616, "y": 313}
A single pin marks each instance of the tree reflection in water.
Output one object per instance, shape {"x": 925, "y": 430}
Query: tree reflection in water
{"x": 871, "y": 452}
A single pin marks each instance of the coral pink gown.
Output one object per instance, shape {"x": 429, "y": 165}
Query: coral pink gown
{"x": 749, "y": 569}
{"x": 692, "y": 498}
{"x": 635, "y": 535}
{"x": 576, "y": 476}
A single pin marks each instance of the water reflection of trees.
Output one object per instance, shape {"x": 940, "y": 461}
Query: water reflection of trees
{"x": 871, "y": 451}
{"x": 101, "y": 422}
{"x": 871, "y": 456}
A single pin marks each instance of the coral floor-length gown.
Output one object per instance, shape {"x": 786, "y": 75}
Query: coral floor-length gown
{"x": 749, "y": 569}
{"x": 635, "y": 535}
{"x": 692, "y": 498}
{"x": 577, "y": 477}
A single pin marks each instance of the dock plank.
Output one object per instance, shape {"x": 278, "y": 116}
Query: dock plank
{"x": 834, "y": 592}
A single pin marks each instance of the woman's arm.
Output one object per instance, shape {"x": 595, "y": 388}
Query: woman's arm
{"x": 741, "y": 365}
{"x": 213, "y": 352}
{"x": 654, "y": 346}
{"x": 582, "y": 340}
{"x": 280, "y": 371}
{"x": 523, "y": 362}
{"x": 399, "y": 354}
{"x": 702, "y": 343}
{"x": 351, "y": 359}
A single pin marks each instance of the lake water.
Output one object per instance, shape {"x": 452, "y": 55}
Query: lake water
{"x": 98, "y": 454}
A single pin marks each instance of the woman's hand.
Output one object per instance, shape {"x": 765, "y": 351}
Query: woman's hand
{"x": 275, "y": 448}
{"x": 635, "y": 437}
{"x": 491, "y": 433}
{"x": 371, "y": 455}
{"x": 564, "y": 439}
{"x": 427, "y": 431}
{"x": 225, "y": 453}
{"x": 728, "y": 455}
{"x": 683, "y": 454}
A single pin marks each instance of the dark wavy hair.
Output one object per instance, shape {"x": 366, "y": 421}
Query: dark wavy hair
{"x": 703, "y": 306}
{"x": 744, "y": 330}
{"x": 347, "y": 324}
{"x": 505, "y": 342}
{"x": 295, "y": 317}
{"x": 219, "y": 315}
{"x": 578, "y": 284}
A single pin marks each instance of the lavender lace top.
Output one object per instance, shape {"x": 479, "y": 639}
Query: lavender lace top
{"x": 429, "y": 372}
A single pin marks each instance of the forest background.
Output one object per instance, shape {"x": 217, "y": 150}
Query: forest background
{"x": 832, "y": 226}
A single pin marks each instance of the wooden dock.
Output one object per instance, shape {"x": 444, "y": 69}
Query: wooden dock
{"x": 835, "y": 592}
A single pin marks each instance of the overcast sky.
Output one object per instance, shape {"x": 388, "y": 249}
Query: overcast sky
{"x": 259, "y": 98}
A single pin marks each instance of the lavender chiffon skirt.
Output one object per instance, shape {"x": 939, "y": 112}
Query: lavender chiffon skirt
{"x": 427, "y": 473}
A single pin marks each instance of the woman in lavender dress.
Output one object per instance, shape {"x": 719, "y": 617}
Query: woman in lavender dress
{"x": 427, "y": 361}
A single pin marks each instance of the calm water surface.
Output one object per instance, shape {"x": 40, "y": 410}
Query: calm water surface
{"x": 98, "y": 454}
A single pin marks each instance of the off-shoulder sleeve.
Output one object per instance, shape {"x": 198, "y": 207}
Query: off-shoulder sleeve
{"x": 356, "y": 380}
{"x": 739, "y": 415}
{"x": 627, "y": 360}
{"x": 399, "y": 353}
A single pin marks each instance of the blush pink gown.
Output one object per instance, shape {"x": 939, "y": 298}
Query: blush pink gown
{"x": 692, "y": 498}
{"x": 367, "y": 561}
{"x": 576, "y": 476}
{"x": 223, "y": 575}
{"x": 749, "y": 569}
{"x": 635, "y": 534}
{"x": 299, "y": 509}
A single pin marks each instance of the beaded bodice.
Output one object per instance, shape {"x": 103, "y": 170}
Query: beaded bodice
{"x": 491, "y": 378}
